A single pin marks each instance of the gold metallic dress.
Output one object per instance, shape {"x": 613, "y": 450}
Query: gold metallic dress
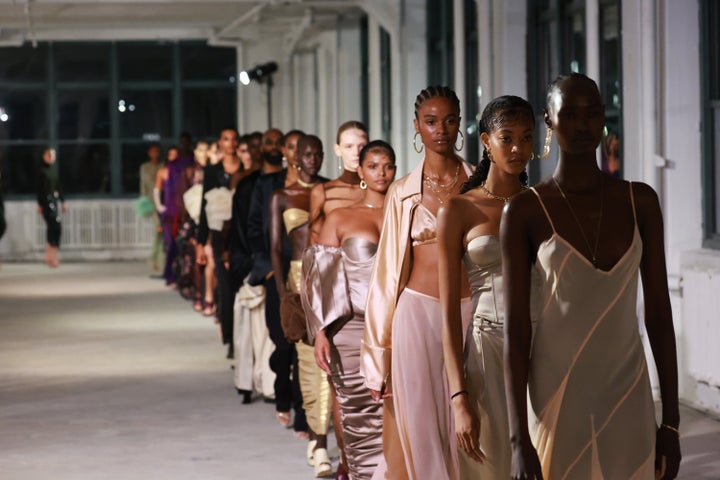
{"x": 588, "y": 380}
{"x": 313, "y": 381}
{"x": 335, "y": 282}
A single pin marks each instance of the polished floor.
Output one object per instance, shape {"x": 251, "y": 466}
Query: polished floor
{"x": 105, "y": 374}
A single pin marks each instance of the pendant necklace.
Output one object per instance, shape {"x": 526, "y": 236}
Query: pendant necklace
{"x": 593, "y": 251}
{"x": 442, "y": 191}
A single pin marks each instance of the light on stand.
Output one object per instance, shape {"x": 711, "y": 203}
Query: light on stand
{"x": 261, "y": 74}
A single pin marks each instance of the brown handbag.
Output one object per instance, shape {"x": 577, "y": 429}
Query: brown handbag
{"x": 292, "y": 318}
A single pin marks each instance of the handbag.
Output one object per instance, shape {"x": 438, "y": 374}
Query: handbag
{"x": 292, "y": 318}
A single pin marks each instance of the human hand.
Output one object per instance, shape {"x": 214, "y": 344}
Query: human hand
{"x": 467, "y": 428}
{"x": 160, "y": 209}
{"x": 378, "y": 395}
{"x": 667, "y": 453}
{"x": 64, "y": 208}
{"x": 200, "y": 257}
{"x": 39, "y": 210}
{"x": 322, "y": 351}
{"x": 525, "y": 464}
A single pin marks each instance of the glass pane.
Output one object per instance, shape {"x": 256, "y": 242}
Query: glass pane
{"x": 145, "y": 114}
{"x": 206, "y": 111}
{"x": 23, "y": 63}
{"x": 85, "y": 168}
{"x": 19, "y": 168}
{"x": 201, "y": 62}
{"x": 138, "y": 62}
{"x": 83, "y": 114}
{"x": 716, "y": 165}
{"x": 77, "y": 62}
{"x": 23, "y": 115}
{"x": 133, "y": 155}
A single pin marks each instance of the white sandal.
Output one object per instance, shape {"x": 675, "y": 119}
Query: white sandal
{"x": 311, "y": 452}
{"x": 323, "y": 465}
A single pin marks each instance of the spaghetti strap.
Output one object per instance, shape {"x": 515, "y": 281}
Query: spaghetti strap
{"x": 552, "y": 225}
{"x": 632, "y": 201}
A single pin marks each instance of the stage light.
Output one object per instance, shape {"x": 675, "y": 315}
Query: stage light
{"x": 259, "y": 73}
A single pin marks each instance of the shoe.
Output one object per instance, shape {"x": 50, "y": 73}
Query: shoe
{"x": 268, "y": 400}
{"x": 230, "y": 352}
{"x": 246, "y": 394}
{"x": 311, "y": 452}
{"x": 283, "y": 418}
{"x": 341, "y": 473}
{"x": 323, "y": 465}
{"x": 209, "y": 309}
{"x": 198, "y": 305}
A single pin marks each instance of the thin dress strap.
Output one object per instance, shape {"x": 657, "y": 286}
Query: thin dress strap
{"x": 632, "y": 201}
{"x": 552, "y": 225}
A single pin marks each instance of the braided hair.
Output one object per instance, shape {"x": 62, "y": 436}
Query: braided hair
{"x": 436, "y": 91}
{"x": 500, "y": 111}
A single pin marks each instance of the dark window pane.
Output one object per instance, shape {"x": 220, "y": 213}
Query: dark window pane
{"x": 208, "y": 110}
{"x": 83, "y": 114}
{"x": 82, "y": 62}
{"x": 24, "y": 114}
{"x": 85, "y": 168}
{"x": 200, "y": 62}
{"x": 19, "y": 168}
{"x": 133, "y": 155}
{"x": 23, "y": 63}
{"x": 145, "y": 114}
{"x": 138, "y": 62}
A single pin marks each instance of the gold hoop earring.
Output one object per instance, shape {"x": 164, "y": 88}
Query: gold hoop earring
{"x": 414, "y": 142}
{"x": 363, "y": 185}
{"x": 546, "y": 148}
{"x": 462, "y": 137}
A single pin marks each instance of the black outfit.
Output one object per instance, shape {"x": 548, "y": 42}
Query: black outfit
{"x": 49, "y": 198}
{"x": 284, "y": 359}
{"x": 215, "y": 176}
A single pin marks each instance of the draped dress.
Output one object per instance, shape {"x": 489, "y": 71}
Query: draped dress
{"x": 588, "y": 379}
{"x": 335, "y": 285}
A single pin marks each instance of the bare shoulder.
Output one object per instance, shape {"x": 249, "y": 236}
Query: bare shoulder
{"x": 523, "y": 207}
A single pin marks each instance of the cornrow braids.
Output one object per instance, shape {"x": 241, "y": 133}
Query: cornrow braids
{"x": 503, "y": 110}
{"x": 436, "y": 91}
{"x": 350, "y": 125}
{"x": 555, "y": 86}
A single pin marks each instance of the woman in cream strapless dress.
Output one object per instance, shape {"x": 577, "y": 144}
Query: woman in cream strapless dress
{"x": 468, "y": 230}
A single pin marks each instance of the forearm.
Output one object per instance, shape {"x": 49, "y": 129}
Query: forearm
{"x": 517, "y": 365}
{"x": 662, "y": 342}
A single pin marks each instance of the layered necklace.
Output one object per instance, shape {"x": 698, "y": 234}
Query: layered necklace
{"x": 442, "y": 191}
{"x": 499, "y": 197}
{"x": 592, "y": 251}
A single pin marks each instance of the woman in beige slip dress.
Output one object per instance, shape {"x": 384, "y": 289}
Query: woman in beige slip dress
{"x": 585, "y": 235}
{"x": 468, "y": 229}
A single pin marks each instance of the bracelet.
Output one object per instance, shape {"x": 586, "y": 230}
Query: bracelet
{"x": 458, "y": 393}
{"x": 671, "y": 428}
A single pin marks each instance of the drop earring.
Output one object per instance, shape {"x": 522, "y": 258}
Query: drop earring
{"x": 363, "y": 185}
{"x": 546, "y": 149}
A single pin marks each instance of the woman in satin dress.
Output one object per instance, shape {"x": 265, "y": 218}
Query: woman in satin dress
{"x": 585, "y": 235}
{"x": 468, "y": 232}
{"x": 401, "y": 357}
{"x": 336, "y": 272}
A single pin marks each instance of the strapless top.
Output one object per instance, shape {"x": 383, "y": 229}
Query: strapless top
{"x": 335, "y": 283}
{"x": 484, "y": 269}
{"x": 424, "y": 226}
{"x": 294, "y": 218}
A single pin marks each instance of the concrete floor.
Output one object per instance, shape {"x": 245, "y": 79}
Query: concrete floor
{"x": 107, "y": 375}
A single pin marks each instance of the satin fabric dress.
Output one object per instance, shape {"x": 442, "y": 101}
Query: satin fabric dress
{"x": 588, "y": 379}
{"x": 484, "y": 360}
{"x": 313, "y": 381}
{"x": 335, "y": 283}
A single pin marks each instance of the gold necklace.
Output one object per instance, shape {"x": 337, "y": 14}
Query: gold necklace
{"x": 499, "y": 197}
{"x": 306, "y": 184}
{"x": 442, "y": 191}
{"x": 593, "y": 251}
